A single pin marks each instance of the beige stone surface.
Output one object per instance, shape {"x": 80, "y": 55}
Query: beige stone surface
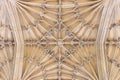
{"x": 59, "y": 39}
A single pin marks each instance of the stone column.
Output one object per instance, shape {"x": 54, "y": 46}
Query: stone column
{"x": 10, "y": 6}
{"x": 105, "y": 23}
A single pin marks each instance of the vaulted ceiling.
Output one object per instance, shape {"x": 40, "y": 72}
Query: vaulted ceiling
{"x": 59, "y": 39}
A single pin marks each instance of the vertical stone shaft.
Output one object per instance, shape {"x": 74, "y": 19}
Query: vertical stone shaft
{"x": 105, "y": 22}
{"x": 18, "y": 37}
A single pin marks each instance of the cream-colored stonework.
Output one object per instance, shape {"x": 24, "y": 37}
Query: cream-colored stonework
{"x": 59, "y": 39}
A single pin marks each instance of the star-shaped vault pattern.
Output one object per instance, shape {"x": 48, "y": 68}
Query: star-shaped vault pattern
{"x": 59, "y": 39}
